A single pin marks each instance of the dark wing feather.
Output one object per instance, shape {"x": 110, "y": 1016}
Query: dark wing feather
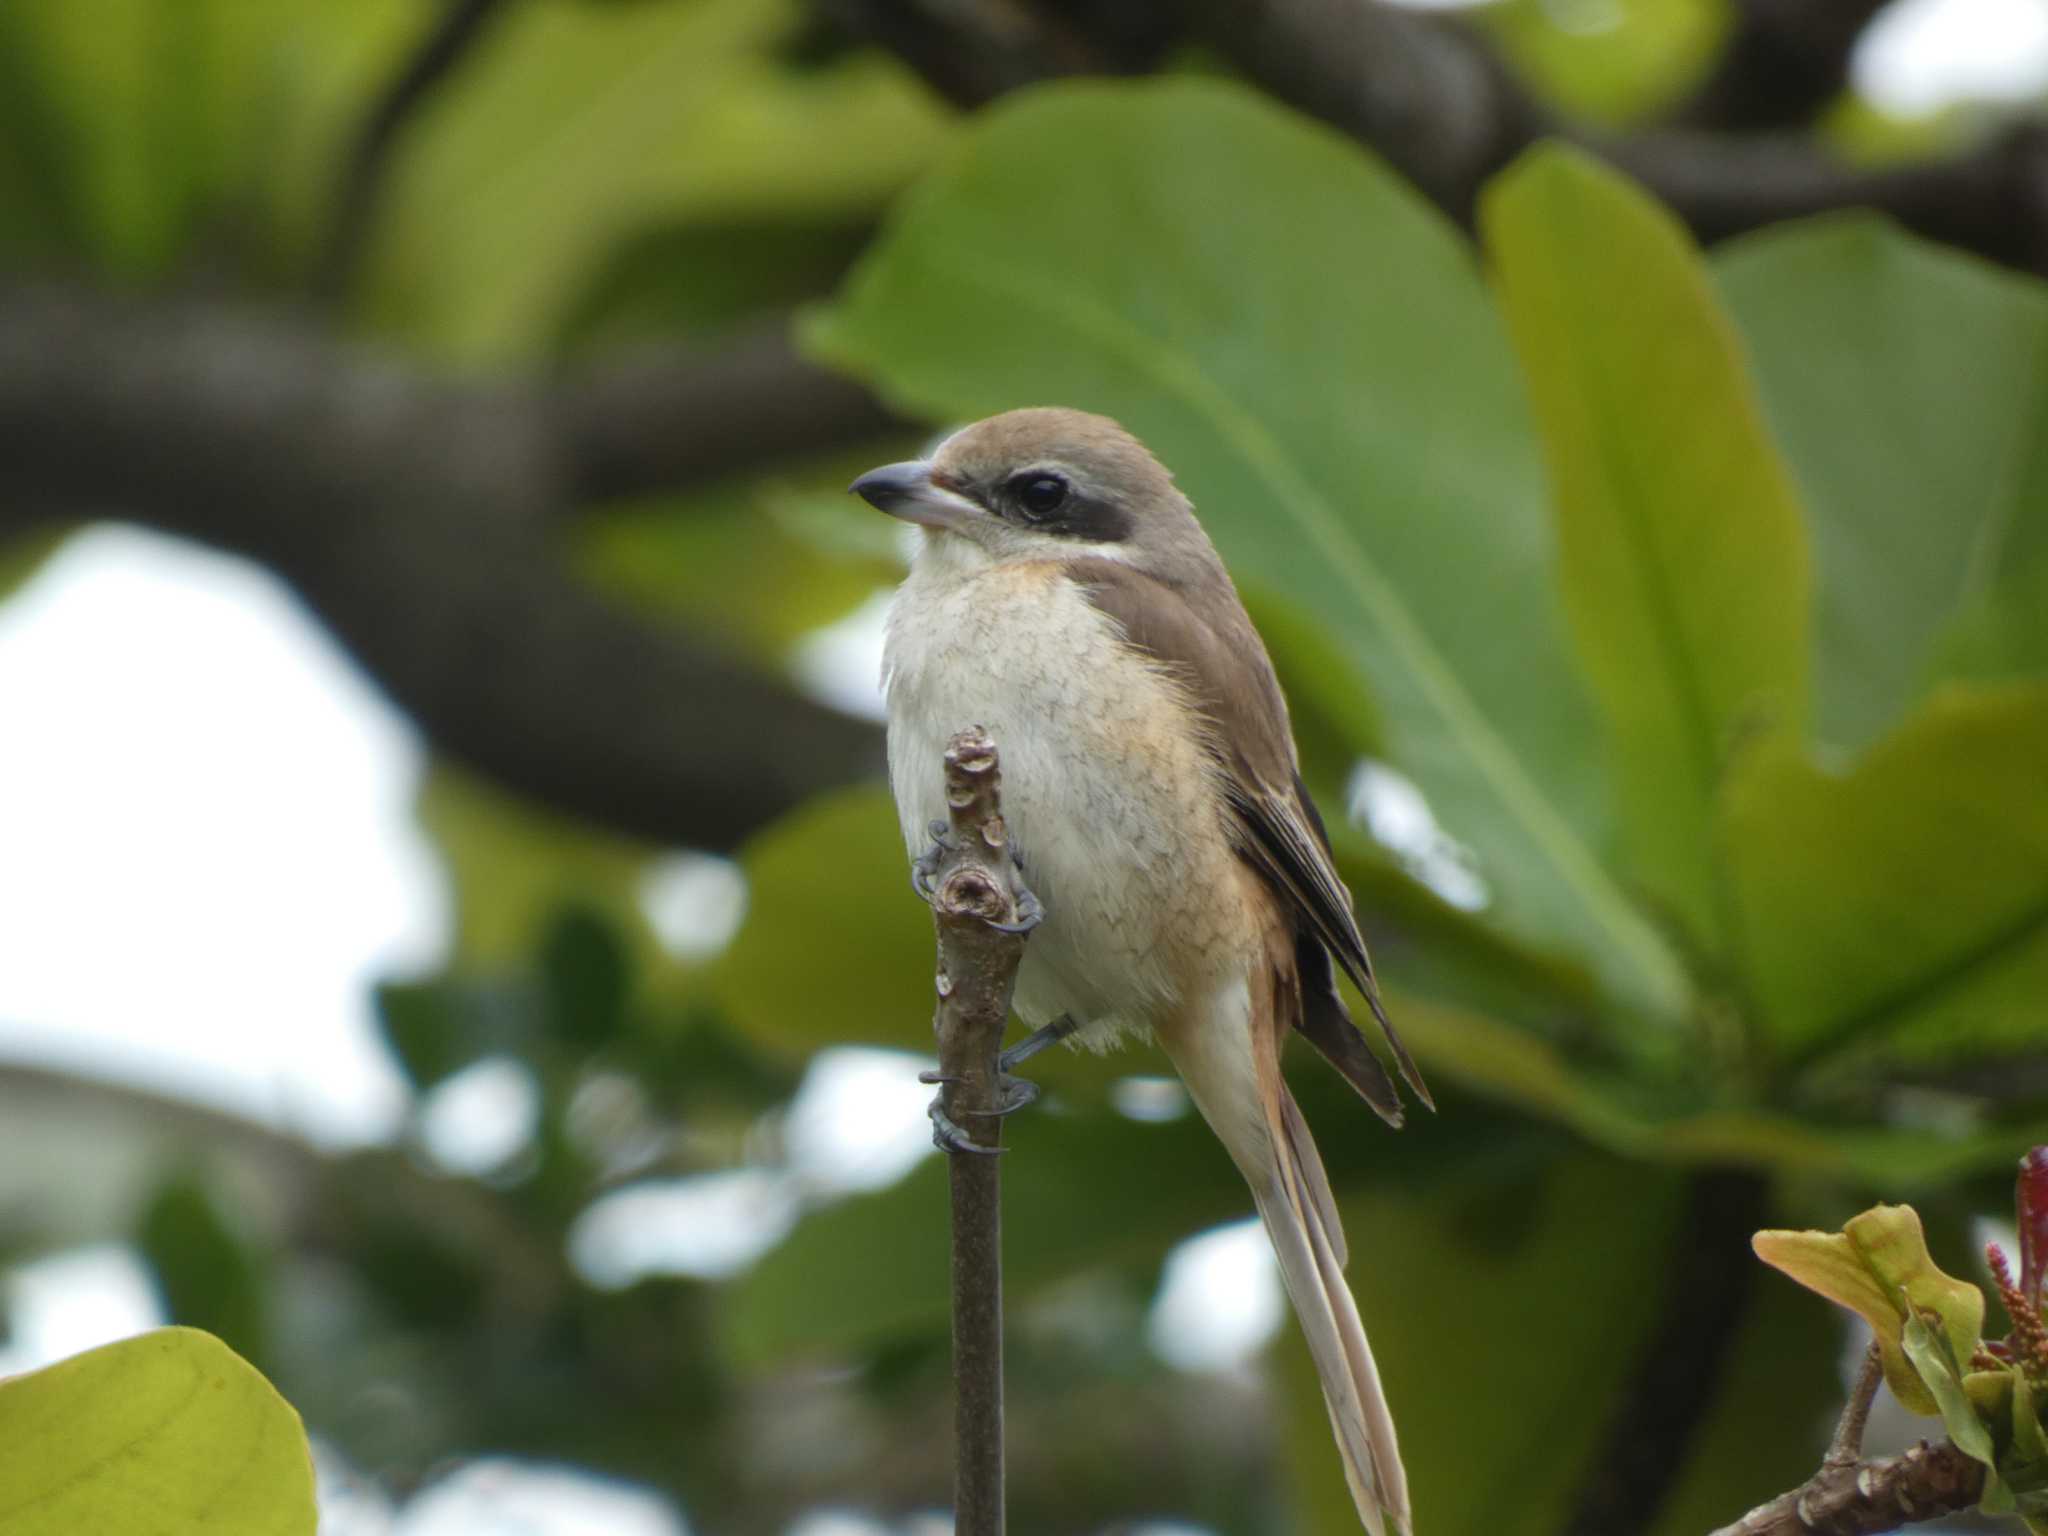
{"x": 1206, "y": 638}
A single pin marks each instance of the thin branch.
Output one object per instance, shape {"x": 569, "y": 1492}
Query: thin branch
{"x": 1846, "y": 1448}
{"x": 452, "y": 38}
{"x": 977, "y": 900}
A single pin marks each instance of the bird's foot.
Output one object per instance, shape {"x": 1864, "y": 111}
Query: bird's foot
{"x": 1030, "y": 913}
{"x": 1045, "y": 1035}
{"x": 924, "y": 869}
{"x": 1013, "y": 1093}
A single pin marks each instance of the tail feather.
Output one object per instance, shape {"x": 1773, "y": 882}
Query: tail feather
{"x": 1301, "y": 1220}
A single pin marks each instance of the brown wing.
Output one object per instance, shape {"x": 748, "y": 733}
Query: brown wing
{"x": 1206, "y": 638}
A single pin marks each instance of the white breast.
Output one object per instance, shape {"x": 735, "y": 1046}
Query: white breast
{"x": 1111, "y": 800}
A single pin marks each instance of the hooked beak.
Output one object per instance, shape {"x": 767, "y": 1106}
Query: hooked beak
{"x": 906, "y": 490}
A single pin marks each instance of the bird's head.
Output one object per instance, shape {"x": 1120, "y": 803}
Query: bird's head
{"x": 1038, "y": 484}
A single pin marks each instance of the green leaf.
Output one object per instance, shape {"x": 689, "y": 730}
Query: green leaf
{"x": 1876, "y": 1266}
{"x": 836, "y": 948}
{"x": 1909, "y": 386}
{"x": 1614, "y": 64}
{"x": 1680, "y": 545}
{"x": 1481, "y": 1303}
{"x": 1936, "y": 1364}
{"x": 168, "y": 1434}
{"x": 1766, "y": 1427}
{"x": 702, "y": 277}
{"x": 1905, "y": 901}
{"x": 579, "y": 128}
{"x": 1308, "y": 347}
{"x": 209, "y": 1276}
{"x": 586, "y": 979}
{"x": 515, "y": 865}
{"x": 760, "y": 563}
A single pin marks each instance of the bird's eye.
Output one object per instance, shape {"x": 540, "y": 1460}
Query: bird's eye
{"x": 1040, "y": 495}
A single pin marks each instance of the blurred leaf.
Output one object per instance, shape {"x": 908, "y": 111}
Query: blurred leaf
{"x": 696, "y": 279}
{"x": 514, "y": 865}
{"x": 1306, "y": 344}
{"x": 209, "y": 1277}
{"x": 1905, "y": 901}
{"x": 1680, "y": 546}
{"x": 1909, "y": 385}
{"x": 1780, "y": 1389}
{"x": 1462, "y": 1369}
{"x": 760, "y": 563}
{"x": 1875, "y": 1266}
{"x": 836, "y": 948}
{"x": 586, "y": 980}
{"x": 166, "y": 120}
{"x": 24, "y": 555}
{"x": 1614, "y": 62}
{"x": 2004, "y": 634}
{"x": 438, "y": 1027}
{"x": 582, "y": 127}
{"x": 162, "y": 1435}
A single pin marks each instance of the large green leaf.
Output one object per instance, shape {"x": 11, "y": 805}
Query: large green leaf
{"x": 1680, "y": 545}
{"x": 1505, "y": 1320}
{"x": 168, "y": 1434}
{"x": 1905, "y": 900}
{"x": 1309, "y": 348}
{"x": 580, "y": 127}
{"x": 1909, "y": 385}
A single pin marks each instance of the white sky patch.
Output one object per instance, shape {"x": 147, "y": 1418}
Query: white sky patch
{"x": 710, "y": 1226}
{"x": 1919, "y": 56}
{"x": 503, "y": 1497}
{"x": 841, "y": 664}
{"x": 1393, "y": 810}
{"x": 838, "y": 1522}
{"x": 858, "y": 1120}
{"x": 694, "y": 902}
{"x": 71, "y": 1302}
{"x": 210, "y": 849}
{"x": 482, "y": 1118}
{"x": 1219, "y": 1299}
{"x": 1153, "y": 1100}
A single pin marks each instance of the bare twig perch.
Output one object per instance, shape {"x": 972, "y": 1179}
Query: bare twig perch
{"x": 1849, "y": 1496}
{"x": 983, "y": 913}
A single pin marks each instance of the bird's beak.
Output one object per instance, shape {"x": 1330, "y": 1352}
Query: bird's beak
{"x": 906, "y": 490}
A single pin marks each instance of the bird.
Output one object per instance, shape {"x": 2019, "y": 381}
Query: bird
{"x": 1064, "y": 597}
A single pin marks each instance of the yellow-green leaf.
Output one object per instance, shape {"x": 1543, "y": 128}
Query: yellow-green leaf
{"x": 168, "y": 1434}
{"x": 1903, "y": 903}
{"x": 1681, "y": 545}
{"x": 1878, "y": 1257}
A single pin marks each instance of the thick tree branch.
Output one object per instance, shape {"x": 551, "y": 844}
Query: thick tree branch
{"x": 1785, "y": 62}
{"x": 1867, "y": 1497}
{"x": 1433, "y": 100}
{"x": 418, "y": 518}
{"x": 452, "y": 38}
{"x": 1710, "y": 1278}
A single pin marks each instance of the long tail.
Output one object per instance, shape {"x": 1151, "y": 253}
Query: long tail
{"x": 1245, "y": 1101}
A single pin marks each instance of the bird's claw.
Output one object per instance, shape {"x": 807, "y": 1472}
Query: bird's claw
{"x": 948, "y": 1137}
{"x": 1030, "y": 913}
{"x": 924, "y": 869}
{"x": 1013, "y": 1093}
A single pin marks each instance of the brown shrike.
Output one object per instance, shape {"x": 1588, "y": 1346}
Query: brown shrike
{"x": 1065, "y": 598}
